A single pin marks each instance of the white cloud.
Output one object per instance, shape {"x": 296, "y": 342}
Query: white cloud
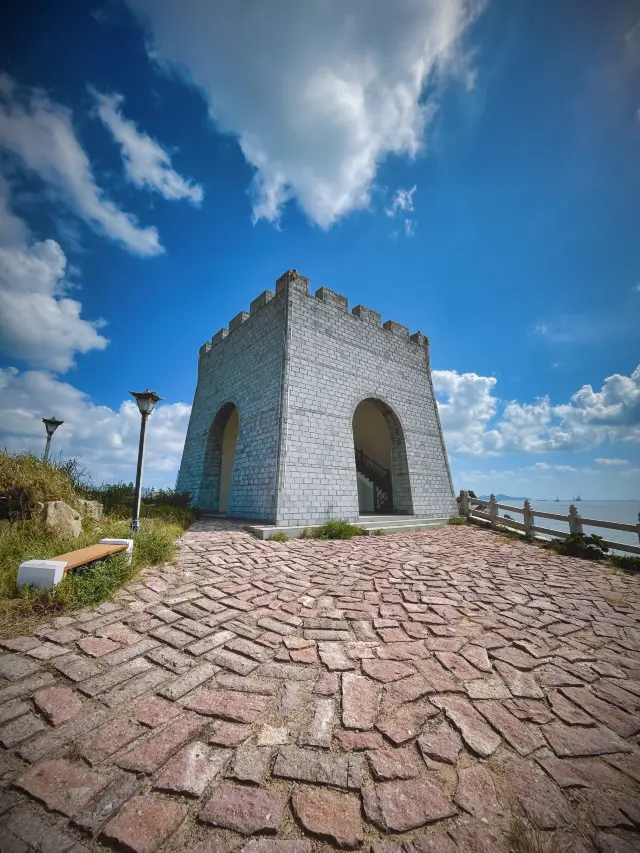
{"x": 402, "y": 201}
{"x": 466, "y": 409}
{"x": 40, "y": 133}
{"x": 562, "y": 469}
{"x": 611, "y": 461}
{"x": 105, "y": 439}
{"x": 318, "y": 94}
{"x": 38, "y": 322}
{"x": 146, "y": 162}
{"x": 470, "y": 419}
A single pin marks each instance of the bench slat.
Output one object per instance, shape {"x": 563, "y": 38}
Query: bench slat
{"x": 87, "y": 555}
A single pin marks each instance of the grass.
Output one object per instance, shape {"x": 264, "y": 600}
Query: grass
{"x": 153, "y": 545}
{"x": 26, "y": 481}
{"x": 457, "y": 519}
{"x": 627, "y": 564}
{"x": 337, "y": 530}
{"x": 280, "y": 536}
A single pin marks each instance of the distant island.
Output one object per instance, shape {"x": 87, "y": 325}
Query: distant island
{"x": 502, "y": 498}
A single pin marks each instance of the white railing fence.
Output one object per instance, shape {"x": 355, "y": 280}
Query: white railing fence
{"x": 471, "y": 507}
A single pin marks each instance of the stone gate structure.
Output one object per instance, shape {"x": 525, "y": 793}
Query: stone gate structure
{"x": 305, "y": 411}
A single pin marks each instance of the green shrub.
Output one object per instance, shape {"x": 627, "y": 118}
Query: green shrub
{"x": 307, "y": 533}
{"x": 280, "y": 536}
{"x": 577, "y": 545}
{"x": 457, "y": 519}
{"x": 378, "y": 532}
{"x": 337, "y": 530}
{"x": 628, "y": 564}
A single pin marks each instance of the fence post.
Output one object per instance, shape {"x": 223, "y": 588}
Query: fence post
{"x": 528, "y": 519}
{"x": 463, "y": 504}
{"x": 575, "y": 525}
{"x": 493, "y": 510}
{"x": 639, "y": 528}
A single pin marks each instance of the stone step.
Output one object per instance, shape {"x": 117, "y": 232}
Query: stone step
{"x": 375, "y": 521}
{"x": 389, "y": 524}
{"x": 406, "y": 524}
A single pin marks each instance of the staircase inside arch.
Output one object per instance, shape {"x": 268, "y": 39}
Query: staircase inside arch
{"x": 380, "y": 479}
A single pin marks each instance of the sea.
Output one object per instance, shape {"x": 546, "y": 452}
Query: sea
{"x": 625, "y": 512}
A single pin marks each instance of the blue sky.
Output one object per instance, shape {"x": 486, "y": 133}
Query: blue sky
{"x": 468, "y": 169}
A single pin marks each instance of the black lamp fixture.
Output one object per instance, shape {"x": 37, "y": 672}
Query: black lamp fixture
{"x": 146, "y": 401}
{"x": 51, "y": 425}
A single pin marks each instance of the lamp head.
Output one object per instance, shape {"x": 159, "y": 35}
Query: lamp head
{"x": 146, "y": 400}
{"x": 51, "y": 425}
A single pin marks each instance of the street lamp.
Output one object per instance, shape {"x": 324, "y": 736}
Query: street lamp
{"x": 146, "y": 401}
{"x": 51, "y": 425}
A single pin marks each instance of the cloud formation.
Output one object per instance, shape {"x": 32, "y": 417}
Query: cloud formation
{"x": 318, "y": 94}
{"x": 38, "y": 322}
{"x": 146, "y": 162}
{"x": 473, "y": 424}
{"x": 105, "y": 439}
{"x": 40, "y": 133}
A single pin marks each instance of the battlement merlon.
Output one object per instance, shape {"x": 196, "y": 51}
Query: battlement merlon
{"x": 292, "y": 279}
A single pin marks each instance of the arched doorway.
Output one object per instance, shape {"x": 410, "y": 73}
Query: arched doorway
{"x": 382, "y": 470}
{"x": 217, "y": 472}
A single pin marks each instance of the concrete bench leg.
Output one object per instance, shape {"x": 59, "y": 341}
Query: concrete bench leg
{"x": 41, "y": 573}
{"x": 127, "y": 542}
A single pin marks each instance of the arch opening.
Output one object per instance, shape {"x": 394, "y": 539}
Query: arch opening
{"x": 382, "y": 470}
{"x": 217, "y": 471}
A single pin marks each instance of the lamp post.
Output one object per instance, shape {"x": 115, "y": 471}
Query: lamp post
{"x": 51, "y": 425}
{"x": 146, "y": 401}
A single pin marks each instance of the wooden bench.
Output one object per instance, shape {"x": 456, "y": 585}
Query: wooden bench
{"x": 48, "y": 573}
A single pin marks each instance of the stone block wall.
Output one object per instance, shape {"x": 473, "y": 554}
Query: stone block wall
{"x": 244, "y": 366}
{"x": 296, "y": 367}
{"x": 336, "y": 359}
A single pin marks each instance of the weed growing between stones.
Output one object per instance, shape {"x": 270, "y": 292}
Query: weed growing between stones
{"x": 457, "y": 519}
{"x": 378, "y": 532}
{"x": 337, "y": 530}
{"x": 523, "y": 839}
{"x": 280, "y": 536}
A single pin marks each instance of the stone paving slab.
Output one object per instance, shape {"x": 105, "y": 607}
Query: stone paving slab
{"x": 399, "y": 694}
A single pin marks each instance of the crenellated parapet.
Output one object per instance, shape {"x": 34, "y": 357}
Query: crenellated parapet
{"x": 292, "y": 280}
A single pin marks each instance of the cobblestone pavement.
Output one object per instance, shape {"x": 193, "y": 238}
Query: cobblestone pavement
{"x": 412, "y": 690}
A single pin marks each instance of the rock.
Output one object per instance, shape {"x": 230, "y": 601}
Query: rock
{"x": 360, "y": 699}
{"x": 443, "y": 744}
{"x": 542, "y": 800}
{"x": 476, "y": 793}
{"x": 330, "y": 815}
{"x": 245, "y": 810}
{"x": 61, "y": 519}
{"x": 144, "y": 823}
{"x": 61, "y": 785}
{"x": 387, "y": 764}
{"x": 400, "y": 806}
{"x": 91, "y": 509}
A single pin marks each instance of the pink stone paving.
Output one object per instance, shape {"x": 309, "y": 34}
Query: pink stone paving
{"x": 399, "y": 694}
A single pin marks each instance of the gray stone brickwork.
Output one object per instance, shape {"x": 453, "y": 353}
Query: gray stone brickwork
{"x": 296, "y": 367}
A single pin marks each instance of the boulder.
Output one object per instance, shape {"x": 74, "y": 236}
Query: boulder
{"x": 61, "y": 519}
{"x": 91, "y": 509}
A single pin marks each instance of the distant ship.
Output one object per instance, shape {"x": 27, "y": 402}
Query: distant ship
{"x": 577, "y": 498}
{"x": 557, "y": 501}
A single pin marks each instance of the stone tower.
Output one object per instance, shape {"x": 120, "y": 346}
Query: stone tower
{"x": 305, "y": 411}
